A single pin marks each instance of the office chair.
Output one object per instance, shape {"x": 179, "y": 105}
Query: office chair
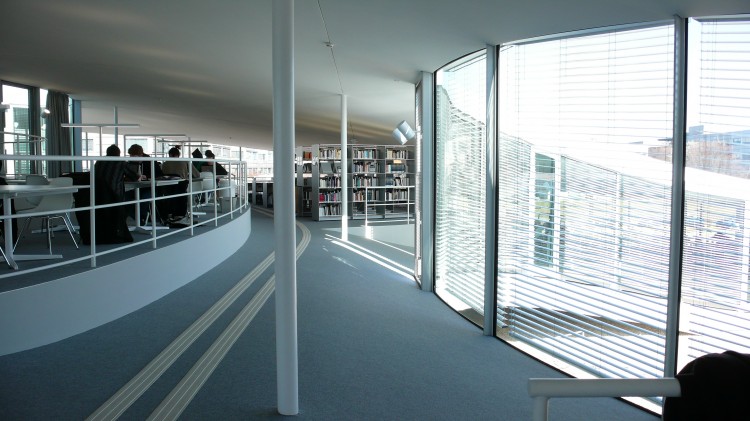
{"x": 57, "y": 206}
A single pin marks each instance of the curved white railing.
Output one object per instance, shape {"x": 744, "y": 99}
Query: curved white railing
{"x": 236, "y": 195}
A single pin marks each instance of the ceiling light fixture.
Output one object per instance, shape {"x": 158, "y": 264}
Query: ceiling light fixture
{"x": 403, "y": 132}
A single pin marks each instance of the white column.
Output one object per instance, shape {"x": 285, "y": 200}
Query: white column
{"x": 490, "y": 222}
{"x": 284, "y": 222}
{"x": 116, "y": 122}
{"x": 678, "y": 200}
{"x": 344, "y": 173}
{"x": 426, "y": 147}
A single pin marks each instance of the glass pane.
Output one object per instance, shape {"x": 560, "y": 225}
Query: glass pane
{"x": 17, "y": 128}
{"x": 583, "y": 206}
{"x": 460, "y": 191}
{"x": 715, "y": 312}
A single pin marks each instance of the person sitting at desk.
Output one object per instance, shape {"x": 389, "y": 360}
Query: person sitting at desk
{"x": 145, "y": 166}
{"x": 177, "y": 208}
{"x": 110, "y": 177}
{"x": 179, "y": 168}
{"x": 209, "y": 165}
{"x": 198, "y": 155}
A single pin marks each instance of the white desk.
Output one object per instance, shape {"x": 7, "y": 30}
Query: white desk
{"x": 137, "y": 186}
{"x": 20, "y": 190}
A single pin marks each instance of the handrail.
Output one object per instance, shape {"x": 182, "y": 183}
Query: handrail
{"x": 237, "y": 170}
{"x": 544, "y": 389}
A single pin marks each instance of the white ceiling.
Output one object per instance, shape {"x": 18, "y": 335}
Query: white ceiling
{"x": 203, "y": 68}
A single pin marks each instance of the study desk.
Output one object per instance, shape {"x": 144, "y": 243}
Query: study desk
{"x": 9, "y": 192}
{"x": 137, "y": 186}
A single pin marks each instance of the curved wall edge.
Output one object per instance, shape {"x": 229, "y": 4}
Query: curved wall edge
{"x": 49, "y": 312}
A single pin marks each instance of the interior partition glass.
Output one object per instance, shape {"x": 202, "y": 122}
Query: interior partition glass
{"x": 584, "y": 199}
{"x": 715, "y": 311}
{"x": 460, "y": 103}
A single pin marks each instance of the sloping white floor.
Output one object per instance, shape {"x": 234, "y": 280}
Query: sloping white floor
{"x": 48, "y": 312}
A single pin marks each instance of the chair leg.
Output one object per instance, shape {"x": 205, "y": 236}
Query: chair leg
{"x": 49, "y": 233}
{"x": 25, "y": 225}
{"x": 5, "y": 257}
{"x": 69, "y": 225}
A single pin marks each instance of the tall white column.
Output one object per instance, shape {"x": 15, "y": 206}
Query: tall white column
{"x": 678, "y": 199}
{"x": 490, "y": 221}
{"x": 284, "y": 222}
{"x": 116, "y": 119}
{"x": 344, "y": 173}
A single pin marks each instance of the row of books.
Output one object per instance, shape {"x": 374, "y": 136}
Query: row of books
{"x": 359, "y": 181}
{"x": 365, "y": 154}
{"x": 396, "y": 195}
{"x": 359, "y": 196}
{"x": 364, "y": 167}
{"x": 330, "y": 209}
{"x": 329, "y": 196}
{"x": 397, "y": 154}
{"x": 330, "y": 153}
{"x": 395, "y": 168}
{"x": 330, "y": 181}
{"x": 397, "y": 181}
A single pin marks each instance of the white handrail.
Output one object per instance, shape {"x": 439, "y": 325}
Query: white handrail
{"x": 232, "y": 164}
{"x": 544, "y": 389}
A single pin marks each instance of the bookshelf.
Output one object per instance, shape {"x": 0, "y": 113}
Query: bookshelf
{"x": 326, "y": 182}
{"x": 304, "y": 172}
{"x": 364, "y": 174}
{"x": 397, "y": 178}
{"x": 380, "y": 181}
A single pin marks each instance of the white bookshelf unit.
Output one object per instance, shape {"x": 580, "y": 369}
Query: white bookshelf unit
{"x": 397, "y": 178}
{"x": 364, "y": 170}
{"x": 304, "y": 173}
{"x": 380, "y": 181}
{"x": 326, "y": 182}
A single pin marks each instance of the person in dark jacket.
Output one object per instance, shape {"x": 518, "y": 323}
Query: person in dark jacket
{"x": 220, "y": 170}
{"x": 110, "y": 177}
{"x": 712, "y": 387}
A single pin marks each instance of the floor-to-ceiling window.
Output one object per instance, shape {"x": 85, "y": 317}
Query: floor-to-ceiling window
{"x": 585, "y": 164}
{"x": 584, "y": 211}
{"x": 715, "y": 310}
{"x": 460, "y": 141}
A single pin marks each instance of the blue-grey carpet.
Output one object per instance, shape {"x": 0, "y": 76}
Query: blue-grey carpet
{"x": 372, "y": 346}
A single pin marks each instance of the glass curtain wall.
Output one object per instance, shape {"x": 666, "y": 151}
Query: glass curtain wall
{"x": 460, "y": 93}
{"x": 584, "y": 207}
{"x": 584, "y": 195}
{"x": 715, "y": 312}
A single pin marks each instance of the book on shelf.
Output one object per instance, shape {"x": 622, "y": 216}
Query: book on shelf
{"x": 395, "y": 167}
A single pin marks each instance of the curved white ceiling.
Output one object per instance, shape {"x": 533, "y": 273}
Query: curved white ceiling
{"x": 203, "y": 68}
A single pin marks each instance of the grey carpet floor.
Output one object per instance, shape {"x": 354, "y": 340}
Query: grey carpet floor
{"x": 372, "y": 346}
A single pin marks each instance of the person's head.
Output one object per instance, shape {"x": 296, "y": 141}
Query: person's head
{"x": 113, "y": 151}
{"x": 197, "y": 153}
{"x": 135, "y": 150}
{"x": 209, "y": 154}
{"x": 174, "y": 153}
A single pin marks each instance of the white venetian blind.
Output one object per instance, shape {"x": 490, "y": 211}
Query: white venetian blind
{"x": 715, "y": 311}
{"x": 584, "y": 198}
{"x": 459, "y": 183}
